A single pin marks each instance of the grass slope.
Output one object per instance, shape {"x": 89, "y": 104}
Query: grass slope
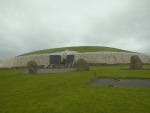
{"x": 79, "y": 49}
{"x": 70, "y": 92}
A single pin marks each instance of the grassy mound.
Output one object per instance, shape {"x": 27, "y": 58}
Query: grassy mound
{"x": 78, "y": 49}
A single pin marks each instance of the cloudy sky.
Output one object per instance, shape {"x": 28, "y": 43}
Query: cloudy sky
{"x": 29, "y": 25}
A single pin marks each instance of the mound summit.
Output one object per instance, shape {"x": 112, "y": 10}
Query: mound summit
{"x": 80, "y": 49}
{"x": 66, "y": 55}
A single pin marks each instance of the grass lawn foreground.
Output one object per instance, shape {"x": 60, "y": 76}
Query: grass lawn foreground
{"x": 71, "y": 93}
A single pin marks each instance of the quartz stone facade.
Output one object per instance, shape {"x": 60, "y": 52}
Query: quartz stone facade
{"x": 90, "y": 57}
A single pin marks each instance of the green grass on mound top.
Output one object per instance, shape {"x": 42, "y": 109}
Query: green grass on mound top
{"x": 78, "y": 49}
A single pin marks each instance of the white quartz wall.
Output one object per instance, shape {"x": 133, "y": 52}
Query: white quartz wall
{"x": 23, "y": 60}
{"x": 90, "y": 57}
{"x": 110, "y": 57}
{"x": 9, "y": 62}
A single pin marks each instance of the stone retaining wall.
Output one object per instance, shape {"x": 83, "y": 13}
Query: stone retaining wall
{"x": 110, "y": 57}
{"x": 90, "y": 57}
{"x": 23, "y": 60}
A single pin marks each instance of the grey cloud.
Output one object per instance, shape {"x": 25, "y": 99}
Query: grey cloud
{"x": 28, "y": 25}
{"x": 128, "y": 29}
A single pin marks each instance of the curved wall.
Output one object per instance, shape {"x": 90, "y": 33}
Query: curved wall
{"x": 110, "y": 57}
{"x": 90, "y": 57}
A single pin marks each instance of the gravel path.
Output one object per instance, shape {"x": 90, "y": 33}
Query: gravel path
{"x": 40, "y": 71}
{"x": 130, "y": 83}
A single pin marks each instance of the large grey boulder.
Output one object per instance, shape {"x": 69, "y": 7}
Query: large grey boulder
{"x": 135, "y": 63}
{"x": 82, "y": 65}
{"x": 32, "y": 66}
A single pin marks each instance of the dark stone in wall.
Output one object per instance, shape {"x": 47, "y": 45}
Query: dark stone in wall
{"x": 55, "y": 59}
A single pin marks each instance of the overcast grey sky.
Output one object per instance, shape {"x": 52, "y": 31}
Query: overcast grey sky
{"x": 29, "y": 25}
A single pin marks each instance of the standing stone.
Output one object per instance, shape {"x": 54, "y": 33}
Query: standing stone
{"x": 82, "y": 65}
{"x": 135, "y": 63}
{"x": 32, "y": 66}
